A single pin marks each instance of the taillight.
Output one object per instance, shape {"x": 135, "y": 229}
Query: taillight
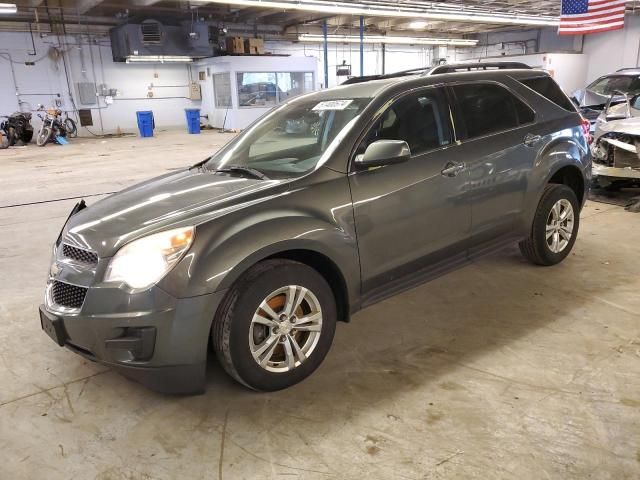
{"x": 586, "y": 129}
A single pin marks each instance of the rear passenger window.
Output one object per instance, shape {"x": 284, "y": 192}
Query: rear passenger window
{"x": 421, "y": 119}
{"x": 550, "y": 90}
{"x": 487, "y": 108}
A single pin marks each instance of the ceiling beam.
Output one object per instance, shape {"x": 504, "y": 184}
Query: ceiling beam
{"x": 144, "y": 3}
{"x": 82, "y": 6}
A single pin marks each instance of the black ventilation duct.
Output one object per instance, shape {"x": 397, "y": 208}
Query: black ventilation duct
{"x": 153, "y": 38}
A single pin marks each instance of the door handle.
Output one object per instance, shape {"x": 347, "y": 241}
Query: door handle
{"x": 530, "y": 140}
{"x": 452, "y": 169}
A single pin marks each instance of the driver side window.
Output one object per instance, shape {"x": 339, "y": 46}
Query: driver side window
{"x": 420, "y": 119}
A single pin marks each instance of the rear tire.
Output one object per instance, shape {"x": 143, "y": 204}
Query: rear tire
{"x": 555, "y": 226}
{"x": 273, "y": 347}
{"x": 27, "y": 135}
{"x": 72, "y": 130}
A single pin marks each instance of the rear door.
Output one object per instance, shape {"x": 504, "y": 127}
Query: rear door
{"x": 411, "y": 216}
{"x": 498, "y": 146}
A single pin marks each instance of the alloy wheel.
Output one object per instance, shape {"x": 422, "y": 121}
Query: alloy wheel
{"x": 559, "y": 226}
{"x": 285, "y": 329}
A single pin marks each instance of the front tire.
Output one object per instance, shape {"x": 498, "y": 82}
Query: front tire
{"x": 275, "y": 326}
{"x": 555, "y": 227}
{"x": 43, "y": 136}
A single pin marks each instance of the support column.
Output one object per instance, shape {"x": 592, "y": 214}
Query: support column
{"x": 361, "y": 46}
{"x": 325, "y": 46}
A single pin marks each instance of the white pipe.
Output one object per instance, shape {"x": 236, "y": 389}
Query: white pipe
{"x": 308, "y": 37}
{"x": 452, "y": 12}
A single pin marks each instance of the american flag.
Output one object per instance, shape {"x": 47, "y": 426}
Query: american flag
{"x": 591, "y": 16}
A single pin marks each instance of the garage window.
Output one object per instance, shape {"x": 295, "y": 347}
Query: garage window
{"x": 487, "y": 108}
{"x": 266, "y": 89}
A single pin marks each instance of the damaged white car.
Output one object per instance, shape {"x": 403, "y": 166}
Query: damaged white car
{"x": 616, "y": 144}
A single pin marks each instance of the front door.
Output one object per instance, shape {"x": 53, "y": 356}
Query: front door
{"x": 411, "y": 216}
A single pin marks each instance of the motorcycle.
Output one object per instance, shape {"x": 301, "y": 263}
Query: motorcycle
{"x": 54, "y": 127}
{"x": 16, "y": 129}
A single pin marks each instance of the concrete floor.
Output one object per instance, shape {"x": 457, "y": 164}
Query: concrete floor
{"x": 498, "y": 370}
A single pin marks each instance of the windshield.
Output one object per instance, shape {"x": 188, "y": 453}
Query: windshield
{"x": 292, "y": 139}
{"x": 623, "y": 83}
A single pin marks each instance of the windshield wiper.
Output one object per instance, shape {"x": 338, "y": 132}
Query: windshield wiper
{"x": 252, "y": 172}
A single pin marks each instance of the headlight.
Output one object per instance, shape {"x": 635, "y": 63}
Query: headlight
{"x": 145, "y": 261}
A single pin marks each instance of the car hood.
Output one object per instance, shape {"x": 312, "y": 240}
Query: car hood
{"x": 626, "y": 126}
{"x": 173, "y": 200}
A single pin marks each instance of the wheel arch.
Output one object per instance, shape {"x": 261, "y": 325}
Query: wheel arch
{"x": 571, "y": 176}
{"x": 326, "y": 267}
{"x": 308, "y": 254}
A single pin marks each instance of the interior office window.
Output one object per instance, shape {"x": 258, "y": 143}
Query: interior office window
{"x": 222, "y": 90}
{"x": 487, "y": 108}
{"x": 265, "y": 89}
{"x": 421, "y": 119}
{"x": 291, "y": 84}
{"x": 257, "y": 89}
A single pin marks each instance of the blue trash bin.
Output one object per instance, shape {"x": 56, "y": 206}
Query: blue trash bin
{"x": 146, "y": 123}
{"x": 193, "y": 119}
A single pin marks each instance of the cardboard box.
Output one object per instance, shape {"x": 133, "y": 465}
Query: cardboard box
{"x": 235, "y": 45}
{"x": 254, "y": 46}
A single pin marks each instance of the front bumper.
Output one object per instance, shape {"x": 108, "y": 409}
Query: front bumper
{"x": 163, "y": 346}
{"x": 615, "y": 172}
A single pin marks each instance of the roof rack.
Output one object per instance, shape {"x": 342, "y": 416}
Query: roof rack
{"x": 403, "y": 73}
{"x": 628, "y": 69}
{"x": 468, "y": 67}
{"x": 448, "y": 68}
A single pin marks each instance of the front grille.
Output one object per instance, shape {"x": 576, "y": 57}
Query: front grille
{"x": 67, "y": 295}
{"x": 79, "y": 254}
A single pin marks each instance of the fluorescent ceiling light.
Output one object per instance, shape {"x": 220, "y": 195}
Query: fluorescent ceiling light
{"x": 309, "y": 37}
{"x": 8, "y": 8}
{"x": 158, "y": 59}
{"x": 418, "y": 24}
{"x": 443, "y": 11}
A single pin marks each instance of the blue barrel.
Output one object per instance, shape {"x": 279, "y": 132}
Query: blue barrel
{"x": 146, "y": 123}
{"x": 193, "y": 119}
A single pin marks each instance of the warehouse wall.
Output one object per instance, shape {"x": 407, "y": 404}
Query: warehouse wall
{"x": 90, "y": 62}
{"x": 397, "y": 57}
{"x": 574, "y": 60}
{"x": 610, "y": 51}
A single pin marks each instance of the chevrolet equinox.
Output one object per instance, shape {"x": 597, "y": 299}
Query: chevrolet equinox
{"x": 327, "y": 204}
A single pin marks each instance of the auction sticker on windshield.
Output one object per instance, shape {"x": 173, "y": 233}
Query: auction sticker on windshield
{"x": 333, "y": 105}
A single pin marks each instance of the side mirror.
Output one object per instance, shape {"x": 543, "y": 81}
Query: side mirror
{"x": 384, "y": 152}
{"x": 635, "y": 102}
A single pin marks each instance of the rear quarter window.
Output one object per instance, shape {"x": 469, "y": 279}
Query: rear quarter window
{"x": 550, "y": 90}
{"x": 487, "y": 108}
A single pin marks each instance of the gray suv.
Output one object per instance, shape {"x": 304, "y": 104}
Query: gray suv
{"x": 257, "y": 252}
